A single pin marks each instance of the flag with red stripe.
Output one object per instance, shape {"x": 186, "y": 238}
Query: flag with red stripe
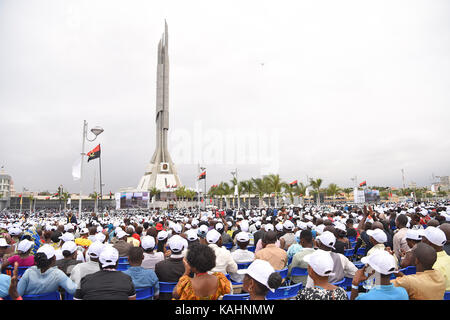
{"x": 94, "y": 153}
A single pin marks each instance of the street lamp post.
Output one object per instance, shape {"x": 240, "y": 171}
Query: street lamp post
{"x": 235, "y": 175}
{"x": 204, "y": 191}
{"x": 96, "y": 130}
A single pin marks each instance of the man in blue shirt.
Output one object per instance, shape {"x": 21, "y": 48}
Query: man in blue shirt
{"x": 141, "y": 277}
{"x": 383, "y": 265}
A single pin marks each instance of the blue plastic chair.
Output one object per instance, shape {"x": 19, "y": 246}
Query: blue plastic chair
{"x": 283, "y": 273}
{"x": 68, "y": 296}
{"x": 349, "y": 293}
{"x": 243, "y": 265}
{"x": 408, "y": 270}
{"x": 123, "y": 259}
{"x": 251, "y": 248}
{"x": 361, "y": 251}
{"x": 123, "y": 266}
{"x": 229, "y": 245}
{"x": 352, "y": 239}
{"x": 290, "y": 260}
{"x": 167, "y": 287}
{"x": 359, "y": 265}
{"x": 447, "y": 295}
{"x": 340, "y": 283}
{"x": 242, "y": 296}
{"x": 55, "y": 295}
{"x": 20, "y": 271}
{"x": 284, "y": 292}
{"x": 349, "y": 253}
{"x": 298, "y": 272}
{"x": 232, "y": 282}
{"x": 145, "y": 293}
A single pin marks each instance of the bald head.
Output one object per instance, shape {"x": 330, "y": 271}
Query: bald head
{"x": 377, "y": 225}
{"x": 446, "y": 228}
{"x": 433, "y": 223}
{"x": 426, "y": 255}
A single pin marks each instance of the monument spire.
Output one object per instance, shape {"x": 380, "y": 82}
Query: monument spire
{"x": 161, "y": 172}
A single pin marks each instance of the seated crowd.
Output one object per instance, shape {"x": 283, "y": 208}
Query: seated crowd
{"x": 389, "y": 252}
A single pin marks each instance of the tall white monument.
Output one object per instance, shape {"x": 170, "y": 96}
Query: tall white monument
{"x": 161, "y": 171}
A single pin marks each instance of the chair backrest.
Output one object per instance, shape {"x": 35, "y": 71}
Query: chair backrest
{"x": 166, "y": 287}
{"x": 359, "y": 265}
{"x": 123, "y": 266}
{"x": 123, "y": 259}
{"x": 351, "y": 239}
{"x": 283, "y": 273}
{"x": 68, "y": 296}
{"x": 232, "y": 282}
{"x": 243, "y": 296}
{"x": 20, "y": 271}
{"x": 361, "y": 251}
{"x": 55, "y": 295}
{"x": 290, "y": 259}
{"x": 284, "y": 292}
{"x": 228, "y": 245}
{"x": 243, "y": 265}
{"x": 297, "y": 272}
{"x": 447, "y": 295}
{"x": 144, "y": 293}
{"x": 348, "y": 252}
{"x": 251, "y": 248}
{"x": 409, "y": 270}
{"x": 339, "y": 283}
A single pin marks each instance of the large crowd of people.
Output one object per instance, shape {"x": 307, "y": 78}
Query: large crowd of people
{"x": 391, "y": 251}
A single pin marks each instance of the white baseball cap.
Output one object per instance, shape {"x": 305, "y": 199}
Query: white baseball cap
{"x": 327, "y": 239}
{"x": 242, "y": 237}
{"x": 67, "y": 237}
{"x": 14, "y": 231}
{"x": 244, "y": 225}
{"x": 177, "y": 228}
{"x": 100, "y": 237}
{"x": 213, "y": 236}
{"x": 121, "y": 234}
{"x": 69, "y": 246}
{"x": 414, "y": 234}
{"x": 321, "y": 262}
{"x": 25, "y": 245}
{"x": 3, "y": 243}
{"x": 435, "y": 235}
{"x": 84, "y": 231}
{"x": 288, "y": 225}
{"x": 378, "y": 235}
{"x": 279, "y": 226}
{"x": 191, "y": 235}
{"x": 109, "y": 256}
{"x": 268, "y": 227}
{"x": 95, "y": 249}
{"x": 219, "y": 226}
{"x": 203, "y": 229}
{"x": 68, "y": 227}
{"x": 260, "y": 270}
{"x": 381, "y": 261}
{"x": 176, "y": 243}
{"x": 47, "y": 250}
{"x": 147, "y": 242}
{"x": 162, "y": 235}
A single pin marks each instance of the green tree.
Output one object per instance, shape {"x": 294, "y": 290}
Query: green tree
{"x": 333, "y": 190}
{"x": 290, "y": 191}
{"x": 315, "y": 184}
{"x": 260, "y": 188}
{"x": 247, "y": 188}
{"x": 274, "y": 185}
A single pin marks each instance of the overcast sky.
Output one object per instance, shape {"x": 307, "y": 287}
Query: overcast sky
{"x": 328, "y": 89}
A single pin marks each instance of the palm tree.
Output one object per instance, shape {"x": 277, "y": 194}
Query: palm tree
{"x": 224, "y": 190}
{"x": 234, "y": 182}
{"x": 347, "y": 191}
{"x": 290, "y": 190}
{"x": 65, "y": 196}
{"x": 274, "y": 184}
{"x": 247, "y": 187}
{"x": 301, "y": 189}
{"x": 260, "y": 188}
{"x": 315, "y": 184}
{"x": 154, "y": 192}
{"x": 333, "y": 190}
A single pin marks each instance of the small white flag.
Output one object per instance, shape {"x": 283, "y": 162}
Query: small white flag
{"x": 76, "y": 169}
{"x": 307, "y": 192}
{"x": 236, "y": 193}
{"x": 69, "y": 201}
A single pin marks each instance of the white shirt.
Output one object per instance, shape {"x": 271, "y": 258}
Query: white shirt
{"x": 241, "y": 256}
{"x": 348, "y": 266}
{"x": 224, "y": 260}
{"x": 151, "y": 259}
{"x": 83, "y": 269}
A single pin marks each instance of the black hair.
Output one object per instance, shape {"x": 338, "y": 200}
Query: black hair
{"x": 161, "y": 244}
{"x": 242, "y": 245}
{"x": 41, "y": 261}
{"x": 274, "y": 282}
{"x": 350, "y": 220}
{"x": 402, "y": 220}
{"x": 146, "y": 225}
{"x": 135, "y": 254}
{"x": 269, "y": 237}
{"x": 306, "y": 235}
{"x": 191, "y": 243}
{"x": 201, "y": 257}
{"x": 55, "y": 236}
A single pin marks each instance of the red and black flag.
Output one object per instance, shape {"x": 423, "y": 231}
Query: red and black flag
{"x": 202, "y": 175}
{"x": 363, "y": 184}
{"x": 293, "y": 183}
{"x": 94, "y": 153}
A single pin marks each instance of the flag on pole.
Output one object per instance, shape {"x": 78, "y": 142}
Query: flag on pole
{"x": 202, "y": 175}
{"x": 236, "y": 191}
{"x": 94, "y": 153}
{"x": 363, "y": 184}
{"x": 293, "y": 183}
{"x": 76, "y": 169}
{"x": 307, "y": 192}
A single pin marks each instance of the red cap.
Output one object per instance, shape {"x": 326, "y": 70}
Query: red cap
{"x": 159, "y": 226}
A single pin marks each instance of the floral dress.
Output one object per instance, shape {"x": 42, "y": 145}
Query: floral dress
{"x": 186, "y": 292}
{"x": 318, "y": 293}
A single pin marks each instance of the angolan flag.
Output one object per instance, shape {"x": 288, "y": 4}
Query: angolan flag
{"x": 293, "y": 183}
{"x": 362, "y": 184}
{"x": 94, "y": 153}
{"x": 202, "y": 175}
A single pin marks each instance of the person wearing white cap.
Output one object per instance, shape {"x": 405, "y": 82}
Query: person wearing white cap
{"x": 259, "y": 245}
{"x": 91, "y": 266}
{"x": 342, "y": 267}
{"x": 274, "y": 255}
{"x": 320, "y": 269}
{"x": 295, "y": 247}
{"x": 383, "y": 265}
{"x": 44, "y": 276}
{"x": 241, "y": 254}
{"x": 399, "y": 241}
{"x": 108, "y": 283}
{"x": 151, "y": 258}
{"x": 259, "y": 278}
{"x": 426, "y": 283}
{"x": 224, "y": 260}
{"x": 69, "y": 251}
{"x": 24, "y": 257}
{"x": 288, "y": 238}
{"x": 122, "y": 245}
{"x": 413, "y": 237}
{"x": 436, "y": 238}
